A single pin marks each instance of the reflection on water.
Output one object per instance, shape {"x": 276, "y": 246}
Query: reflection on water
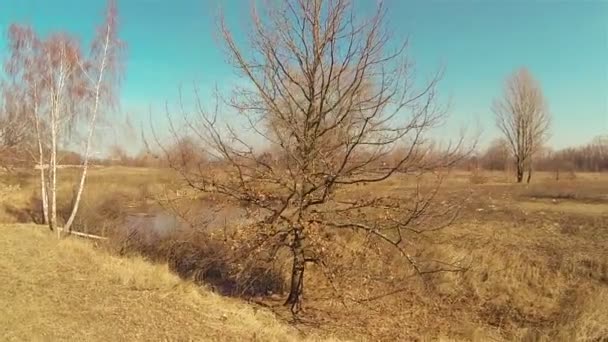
{"x": 159, "y": 223}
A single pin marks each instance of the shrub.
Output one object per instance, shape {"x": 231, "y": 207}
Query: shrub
{"x": 32, "y": 212}
{"x": 96, "y": 212}
{"x": 196, "y": 255}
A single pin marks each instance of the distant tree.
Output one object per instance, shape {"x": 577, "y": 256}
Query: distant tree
{"x": 333, "y": 97}
{"x": 68, "y": 158}
{"x": 15, "y": 135}
{"x": 118, "y": 155}
{"x": 496, "y": 155}
{"x": 592, "y": 157}
{"x": 523, "y": 118}
{"x": 13, "y": 129}
{"x": 186, "y": 153}
{"x": 597, "y": 152}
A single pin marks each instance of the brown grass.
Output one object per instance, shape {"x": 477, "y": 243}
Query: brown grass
{"x": 67, "y": 290}
{"x": 538, "y": 270}
{"x": 201, "y": 257}
{"x": 108, "y": 191}
{"x": 538, "y": 261}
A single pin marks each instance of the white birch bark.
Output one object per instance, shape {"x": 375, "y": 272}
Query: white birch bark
{"x": 68, "y": 225}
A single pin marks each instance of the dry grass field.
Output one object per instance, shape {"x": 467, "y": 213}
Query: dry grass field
{"x": 538, "y": 267}
{"x": 314, "y": 184}
{"x": 71, "y": 291}
{"x": 537, "y": 257}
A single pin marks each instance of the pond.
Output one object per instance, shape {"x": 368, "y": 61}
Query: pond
{"x": 159, "y": 222}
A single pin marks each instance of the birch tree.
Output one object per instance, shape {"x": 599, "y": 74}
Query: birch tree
{"x": 23, "y": 68}
{"x": 101, "y": 72}
{"x": 64, "y": 87}
{"x": 64, "y": 91}
{"x": 523, "y": 118}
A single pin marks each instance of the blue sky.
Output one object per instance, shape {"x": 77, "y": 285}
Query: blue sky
{"x": 563, "y": 43}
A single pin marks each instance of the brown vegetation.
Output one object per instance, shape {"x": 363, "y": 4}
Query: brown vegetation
{"x": 199, "y": 256}
{"x": 536, "y": 262}
{"x": 332, "y": 102}
{"x": 68, "y": 290}
{"x": 56, "y": 91}
{"x": 346, "y": 220}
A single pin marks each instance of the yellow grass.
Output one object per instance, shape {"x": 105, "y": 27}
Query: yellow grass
{"x": 17, "y": 190}
{"x": 67, "y": 290}
{"x": 538, "y": 258}
{"x": 538, "y": 267}
{"x": 566, "y": 207}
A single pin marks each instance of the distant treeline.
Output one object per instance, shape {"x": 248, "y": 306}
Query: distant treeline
{"x": 592, "y": 157}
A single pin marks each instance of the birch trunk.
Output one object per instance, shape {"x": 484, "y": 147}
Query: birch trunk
{"x": 53, "y": 176}
{"x": 55, "y": 106}
{"x": 45, "y": 199}
{"x": 43, "y": 194}
{"x": 68, "y": 225}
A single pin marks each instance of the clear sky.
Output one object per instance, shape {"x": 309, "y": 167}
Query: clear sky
{"x": 563, "y": 43}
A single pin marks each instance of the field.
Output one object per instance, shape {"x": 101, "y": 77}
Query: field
{"x": 68, "y": 290}
{"x": 537, "y": 259}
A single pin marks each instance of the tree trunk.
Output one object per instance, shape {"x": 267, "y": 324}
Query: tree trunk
{"x": 53, "y": 176}
{"x": 68, "y": 224}
{"x": 76, "y": 204}
{"x": 297, "y": 274}
{"x": 43, "y": 183}
{"x": 43, "y": 188}
{"x": 520, "y": 173}
{"x": 83, "y": 176}
{"x": 44, "y": 197}
{"x": 529, "y": 175}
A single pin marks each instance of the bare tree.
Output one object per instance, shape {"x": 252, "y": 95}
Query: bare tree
{"x": 187, "y": 153}
{"x": 523, "y": 118}
{"x": 592, "y": 157}
{"x": 496, "y": 155}
{"x": 22, "y": 67}
{"x": 62, "y": 92}
{"x": 63, "y": 79}
{"x": 14, "y": 130}
{"x": 331, "y": 97}
{"x": 101, "y": 72}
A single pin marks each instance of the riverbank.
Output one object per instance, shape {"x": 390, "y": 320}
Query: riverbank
{"x": 69, "y": 290}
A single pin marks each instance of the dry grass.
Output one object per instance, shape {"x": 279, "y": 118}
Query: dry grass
{"x": 538, "y": 255}
{"x": 199, "y": 256}
{"x": 538, "y": 269}
{"x": 127, "y": 187}
{"x": 67, "y": 290}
